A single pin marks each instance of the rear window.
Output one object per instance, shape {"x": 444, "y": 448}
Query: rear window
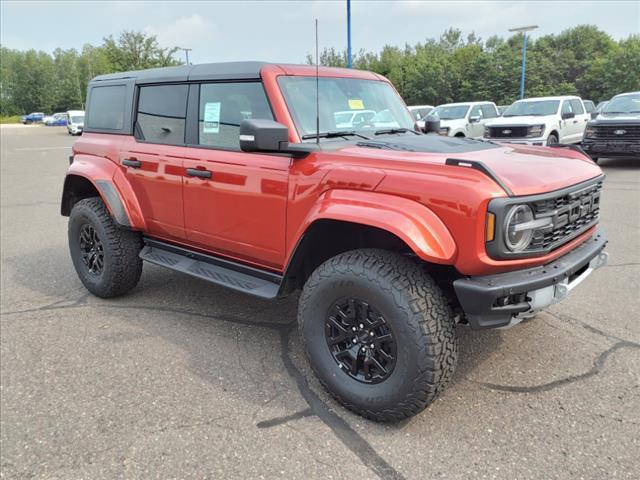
{"x": 161, "y": 114}
{"x": 107, "y": 106}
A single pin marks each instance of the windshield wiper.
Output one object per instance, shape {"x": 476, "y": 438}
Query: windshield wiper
{"x": 335, "y": 134}
{"x": 388, "y": 131}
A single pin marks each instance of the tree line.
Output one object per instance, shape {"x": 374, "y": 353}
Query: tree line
{"x": 582, "y": 60}
{"x": 37, "y": 81}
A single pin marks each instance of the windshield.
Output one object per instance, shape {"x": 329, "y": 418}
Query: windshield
{"x": 535, "y": 109}
{"x": 77, "y": 119}
{"x": 450, "y": 112}
{"x": 623, "y": 104}
{"x": 346, "y": 104}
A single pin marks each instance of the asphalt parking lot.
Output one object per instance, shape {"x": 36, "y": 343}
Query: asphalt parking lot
{"x": 182, "y": 379}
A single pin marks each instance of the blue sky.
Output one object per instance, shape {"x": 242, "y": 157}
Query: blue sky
{"x": 283, "y": 31}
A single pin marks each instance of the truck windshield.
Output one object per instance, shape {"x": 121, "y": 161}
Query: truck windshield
{"x": 535, "y": 109}
{"x": 77, "y": 119}
{"x": 623, "y": 104}
{"x": 346, "y": 105}
{"x": 450, "y": 112}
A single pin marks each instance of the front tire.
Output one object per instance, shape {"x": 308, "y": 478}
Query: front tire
{"x": 405, "y": 347}
{"x": 104, "y": 255}
{"x": 552, "y": 139}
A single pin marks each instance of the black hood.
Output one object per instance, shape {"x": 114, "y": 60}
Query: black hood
{"x": 430, "y": 143}
{"x": 616, "y": 119}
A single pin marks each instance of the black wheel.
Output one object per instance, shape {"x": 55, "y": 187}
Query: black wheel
{"x": 378, "y": 332}
{"x": 552, "y": 139}
{"x": 104, "y": 255}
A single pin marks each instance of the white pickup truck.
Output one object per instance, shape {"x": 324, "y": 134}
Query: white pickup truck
{"x": 465, "y": 119}
{"x": 541, "y": 121}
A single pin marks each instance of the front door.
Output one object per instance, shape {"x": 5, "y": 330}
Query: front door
{"x": 234, "y": 202}
{"x": 153, "y": 162}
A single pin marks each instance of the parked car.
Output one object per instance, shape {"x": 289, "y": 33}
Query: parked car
{"x": 601, "y": 106}
{"x": 353, "y": 118}
{"x": 464, "y": 119}
{"x": 616, "y": 131}
{"x": 392, "y": 236}
{"x": 35, "y": 117}
{"x": 56, "y": 120}
{"x": 420, "y": 113}
{"x": 541, "y": 121}
{"x": 75, "y": 122}
{"x": 590, "y": 107}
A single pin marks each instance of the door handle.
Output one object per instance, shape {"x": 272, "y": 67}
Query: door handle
{"x": 131, "y": 162}
{"x": 195, "y": 172}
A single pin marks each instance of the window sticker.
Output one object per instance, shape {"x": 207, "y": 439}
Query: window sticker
{"x": 211, "y": 117}
{"x": 356, "y": 104}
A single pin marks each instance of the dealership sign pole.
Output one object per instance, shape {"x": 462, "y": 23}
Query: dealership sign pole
{"x": 349, "y": 33}
{"x": 524, "y": 31}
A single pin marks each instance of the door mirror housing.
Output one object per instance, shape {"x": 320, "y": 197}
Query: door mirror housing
{"x": 474, "y": 119}
{"x": 568, "y": 115}
{"x": 269, "y": 136}
{"x": 431, "y": 124}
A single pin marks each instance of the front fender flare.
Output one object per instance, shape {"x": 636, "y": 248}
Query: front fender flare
{"x": 415, "y": 224}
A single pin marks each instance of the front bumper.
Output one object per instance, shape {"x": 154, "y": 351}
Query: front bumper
{"x": 494, "y": 301}
{"x": 603, "y": 148}
{"x": 540, "y": 141}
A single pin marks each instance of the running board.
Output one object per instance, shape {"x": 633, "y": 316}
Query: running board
{"x": 213, "y": 269}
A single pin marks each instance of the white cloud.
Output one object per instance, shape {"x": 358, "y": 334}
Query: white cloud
{"x": 189, "y": 32}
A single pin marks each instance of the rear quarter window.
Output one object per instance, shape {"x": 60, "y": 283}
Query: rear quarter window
{"x": 162, "y": 110}
{"x": 107, "y": 107}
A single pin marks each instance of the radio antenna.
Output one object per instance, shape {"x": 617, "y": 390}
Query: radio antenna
{"x": 317, "y": 90}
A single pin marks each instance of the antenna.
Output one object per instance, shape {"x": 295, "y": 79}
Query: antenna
{"x": 317, "y": 90}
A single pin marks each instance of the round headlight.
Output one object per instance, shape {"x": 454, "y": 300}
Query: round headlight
{"x": 518, "y": 236}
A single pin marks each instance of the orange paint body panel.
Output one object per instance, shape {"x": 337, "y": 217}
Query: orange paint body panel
{"x": 256, "y": 207}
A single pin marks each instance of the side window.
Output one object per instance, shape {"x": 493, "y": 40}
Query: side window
{"x": 161, "y": 114}
{"x": 566, "y": 107}
{"x": 589, "y": 106}
{"x": 223, "y": 106}
{"x": 476, "y": 112}
{"x": 577, "y": 107}
{"x": 489, "y": 111}
{"x": 106, "y": 107}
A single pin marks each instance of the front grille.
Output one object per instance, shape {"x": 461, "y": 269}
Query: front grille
{"x": 508, "y": 132}
{"x": 572, "y": 213}
{"x": 621, "y": 133}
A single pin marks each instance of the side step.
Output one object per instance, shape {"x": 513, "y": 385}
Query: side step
{"x": 216, "y": 270}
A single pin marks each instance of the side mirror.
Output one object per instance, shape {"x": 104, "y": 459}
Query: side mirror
{"x": 568, "y": 115}
{"x": 431, "y": 124}
{"x": 268, "y": 136}
{"x": 258, "y": 135}
{"x": 594, "y": 115}
{"x": 474, "y": 119}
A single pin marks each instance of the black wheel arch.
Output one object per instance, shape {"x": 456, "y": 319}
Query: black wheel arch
{"x": 77, "y": 187}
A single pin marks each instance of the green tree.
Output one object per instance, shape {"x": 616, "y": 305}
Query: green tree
{"x": 137, "y": 51}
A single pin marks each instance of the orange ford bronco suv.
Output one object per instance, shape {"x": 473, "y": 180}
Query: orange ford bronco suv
{"x": 261, "y": 178}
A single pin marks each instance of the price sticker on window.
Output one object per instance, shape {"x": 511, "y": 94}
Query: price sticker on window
{"x": 211, "y": 117}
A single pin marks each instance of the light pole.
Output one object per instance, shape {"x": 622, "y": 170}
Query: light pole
{"x": 349, "y": 33}
{"x": 524, "y": 31}
{"x": 186, "y": 52}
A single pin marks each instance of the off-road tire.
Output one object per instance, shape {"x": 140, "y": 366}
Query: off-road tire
{"x": 552, "y": 139}
{"x": 415, "y": 309}
{"x": 122, "y": 266}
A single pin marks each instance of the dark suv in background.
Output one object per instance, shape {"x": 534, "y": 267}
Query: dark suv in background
{"x": 616, "y": 130}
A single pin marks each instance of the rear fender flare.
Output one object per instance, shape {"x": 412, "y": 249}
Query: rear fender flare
{"x": 113, "y": 186}
{"x": 415, "y": 224}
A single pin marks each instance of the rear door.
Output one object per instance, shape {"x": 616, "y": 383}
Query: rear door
{"x": 475, "y": 129}
{"x": 153, "y": 158}
{"x": 582, "y": 116}
{"x": 234, "y": 202}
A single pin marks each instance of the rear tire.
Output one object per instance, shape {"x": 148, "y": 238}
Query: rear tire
{"x": 104, "y": 255}
{"x": 552, "y": 139}
{"x": 392, "y": 297}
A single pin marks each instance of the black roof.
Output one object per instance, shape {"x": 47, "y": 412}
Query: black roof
{"x": 205, "y": 71}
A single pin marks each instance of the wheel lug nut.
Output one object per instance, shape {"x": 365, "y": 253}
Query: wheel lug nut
{"x": 371, "y": 334}
{"x": 355, "y": 340}
{"x": 372, "y": 345}
{"x": 353, "y": 328}
{"x": 361, "y": 326}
